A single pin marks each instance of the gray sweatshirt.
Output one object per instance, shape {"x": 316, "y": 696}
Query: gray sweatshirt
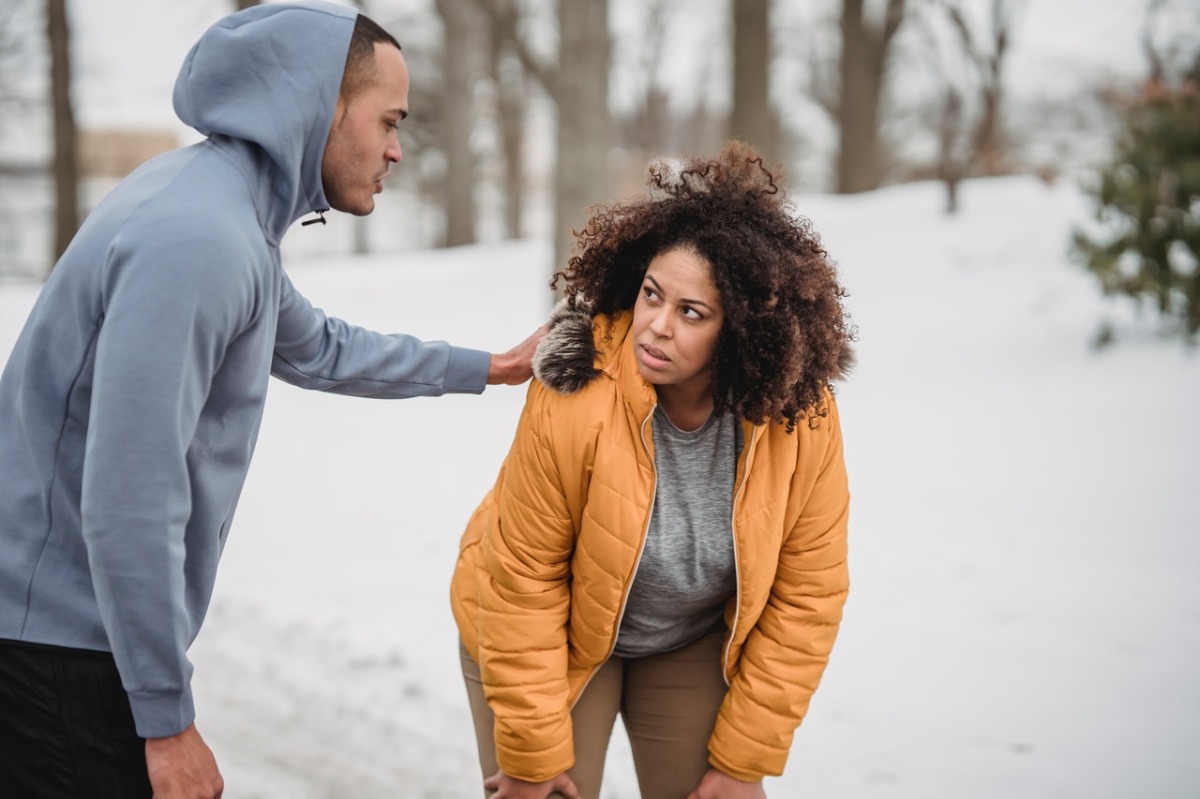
{"x": 131, "y": 403}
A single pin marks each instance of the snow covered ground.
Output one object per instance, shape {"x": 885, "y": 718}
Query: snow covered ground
{"x": 1024, "y": 621}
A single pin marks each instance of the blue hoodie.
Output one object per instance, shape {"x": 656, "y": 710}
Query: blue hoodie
{"x": 131, "y": 403}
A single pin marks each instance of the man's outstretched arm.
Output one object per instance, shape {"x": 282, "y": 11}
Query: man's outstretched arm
{"x": 320, "y": 352}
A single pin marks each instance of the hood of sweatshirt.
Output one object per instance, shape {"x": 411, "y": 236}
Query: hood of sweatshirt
{"x": 270, "y": 76}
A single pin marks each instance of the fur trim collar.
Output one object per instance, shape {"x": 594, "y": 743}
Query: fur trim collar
{"x": 565, "y": 358}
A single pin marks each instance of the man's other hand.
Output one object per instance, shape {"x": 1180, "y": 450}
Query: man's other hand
{"x": 183, "y": 767}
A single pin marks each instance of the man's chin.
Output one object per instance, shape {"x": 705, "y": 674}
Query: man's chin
{"x": 360, "y": 207}
{"x": 356, "y": 210}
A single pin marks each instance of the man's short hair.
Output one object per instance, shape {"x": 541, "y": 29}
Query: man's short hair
{"x": 360, "y": 58}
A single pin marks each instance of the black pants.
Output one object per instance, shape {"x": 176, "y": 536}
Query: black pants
{"x": 66, "y": 730}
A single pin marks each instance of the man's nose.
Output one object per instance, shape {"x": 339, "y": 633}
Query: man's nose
{"x": 393, "y": 154}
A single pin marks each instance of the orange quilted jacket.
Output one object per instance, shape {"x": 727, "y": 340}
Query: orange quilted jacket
{"x": 547, "y": 560}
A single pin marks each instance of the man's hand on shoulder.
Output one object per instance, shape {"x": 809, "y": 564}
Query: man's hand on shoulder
{"x": 183, "y": 767}
{"x": 515, "y": 366}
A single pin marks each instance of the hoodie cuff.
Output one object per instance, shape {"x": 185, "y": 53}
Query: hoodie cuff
{"x": 161, "y": 714}
{"x": 467, "y": 371}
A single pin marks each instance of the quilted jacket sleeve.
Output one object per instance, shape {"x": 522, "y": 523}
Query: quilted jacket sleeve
{"x": 524, "y": 602}
{"x": 786, "y": 652}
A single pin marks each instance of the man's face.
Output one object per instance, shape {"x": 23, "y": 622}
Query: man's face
{"x": 362, "y": 140}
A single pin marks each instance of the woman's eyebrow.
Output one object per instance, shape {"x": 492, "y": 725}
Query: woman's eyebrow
{"x": 685, "y": 300}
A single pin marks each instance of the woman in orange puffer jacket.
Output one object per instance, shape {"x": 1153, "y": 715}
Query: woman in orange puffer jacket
{"x": 666, "y": 538}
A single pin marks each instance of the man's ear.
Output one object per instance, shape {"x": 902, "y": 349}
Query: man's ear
{"x": 339, "y": 108}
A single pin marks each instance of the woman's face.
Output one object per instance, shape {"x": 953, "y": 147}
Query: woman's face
{"x": 676, "y": 320}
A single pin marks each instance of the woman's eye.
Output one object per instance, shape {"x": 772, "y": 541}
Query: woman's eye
{"x": 690, "y": 312}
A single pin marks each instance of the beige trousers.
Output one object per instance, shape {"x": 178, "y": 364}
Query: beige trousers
{"x": 667, "y": 702}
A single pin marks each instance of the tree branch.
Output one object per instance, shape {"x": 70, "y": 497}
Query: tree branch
{"x": 1157, "y": 69}
{"x": 505, "y": 25}
{"x": 891, "y": 22}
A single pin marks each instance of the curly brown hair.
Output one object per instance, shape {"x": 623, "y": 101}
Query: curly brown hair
{"x": 786, "y": 335}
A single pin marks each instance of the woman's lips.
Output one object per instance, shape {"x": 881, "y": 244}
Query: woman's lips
{"x": 654, "y": 357}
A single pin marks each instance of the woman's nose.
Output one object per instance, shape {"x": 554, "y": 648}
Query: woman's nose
{"x": 660, "y": 323}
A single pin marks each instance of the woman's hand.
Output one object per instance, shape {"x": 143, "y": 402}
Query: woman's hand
{"x": 719, "y": 785}
{"x": 507, "y": 787}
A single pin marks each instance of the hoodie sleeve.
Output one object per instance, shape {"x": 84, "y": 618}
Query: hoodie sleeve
{"x": 167, "y": 322}
{"x": 319, "y": 352}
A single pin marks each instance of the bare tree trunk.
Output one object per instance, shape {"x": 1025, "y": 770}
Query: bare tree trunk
{"x": 863, "y": 67}
{"x": 989, "y": 143}
{"x": 950, "y": 165}
{"x": 360, "y": 240}
{"x": 584, "y": 123}
{"x": 752, "y": 117}
{"x": 578, "y": 85}
{"x": 459, "y": 24}
{"x": 66, "y": 167}
{"x": 648, "y": 132}
{"x": 987, "y": 150}
{"x": 511, "y": 107}
{"x": 858, "y": 155}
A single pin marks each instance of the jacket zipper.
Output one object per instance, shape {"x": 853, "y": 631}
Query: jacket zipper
{"x": 737, "y": 569}
{"x": 638, "y": 562}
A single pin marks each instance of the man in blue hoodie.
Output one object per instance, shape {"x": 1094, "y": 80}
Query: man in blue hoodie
{"x": 131, "y": 403}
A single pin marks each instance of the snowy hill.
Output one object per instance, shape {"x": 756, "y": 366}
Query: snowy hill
{"x": 1024, "y": 621}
